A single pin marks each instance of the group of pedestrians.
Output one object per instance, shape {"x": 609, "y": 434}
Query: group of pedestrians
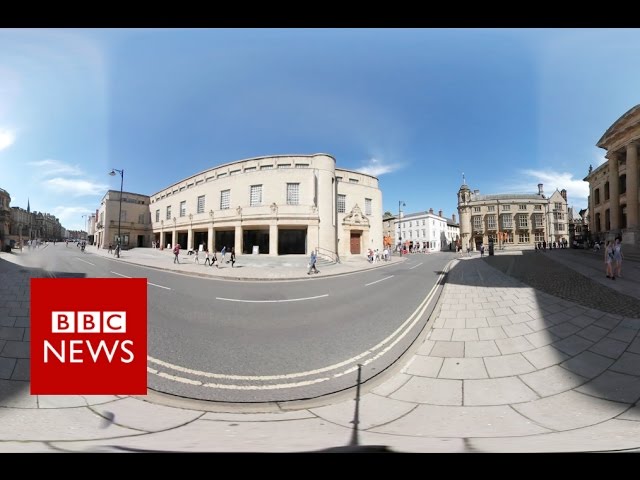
{"x": 613, "y": 259}
{"x": 210, "y": 259}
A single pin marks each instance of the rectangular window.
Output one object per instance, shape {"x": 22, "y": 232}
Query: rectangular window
{"x": 506, "y": 208}
{"x": 225, "y": 199}
{"x": 168, "y": 215}
{"x": 410, "y": 224}
{"x": 182, "y": 188}
{"x": 539, "y": 221}
{"x": 537, "y": 207}
{"x": 367, "y": 206}
{"x": 510, "y": 237}
{"x": 234, "y": 172}
{"x": 424, "y": 233}
{"x": 491, "y": 208}
{"x": 523, "y": 237}
{"x": 266, "y": 167}
{"x": 223, "y": 174}
{"x": 522, "y": 206}
{"x": 284, "y": 165}
{"x": 293, "y": 193}
{"x": 200, "y": 208}
{"x": 507, "y": 221}
{"x": 523, "y": 221}
{"x": 423, "y": 222}
{"x": 338, "y": 179}
{"x": 477, "y": 222}
{"x": 302, "y": 165}
{"x": 183, "y": 208}
{"x": 558, "y": 206}
{"x": 250, "y": 169}
{"x": 353, "y": 180}
{"x": 491, "y": 222}
{"x": 342, "y": 203}
{"x": 141, "y": 218}
{"x": 476, "y": 209}
{"x": 539, "y": 237}
{"x": 157, "y": 215}
{"x": 255, "y": 196}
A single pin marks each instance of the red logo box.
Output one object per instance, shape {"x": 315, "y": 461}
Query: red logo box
{"x": 88, "y": 336}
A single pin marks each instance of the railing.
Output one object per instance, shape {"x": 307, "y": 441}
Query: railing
{"x": 329, "y": 254}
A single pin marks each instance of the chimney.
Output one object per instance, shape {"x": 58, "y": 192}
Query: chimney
{"x": 540, "y": 192}
{"x": 431, "y": 211}
{"x": 440, "y": 213}
{"x": 453, "y": 217}
{"x": 563, "y": 192}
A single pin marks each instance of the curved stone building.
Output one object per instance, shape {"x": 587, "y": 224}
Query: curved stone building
{"x": 275, "y": 205}
{"x": 613, "y": 186}
{"x": 5, "y": 217}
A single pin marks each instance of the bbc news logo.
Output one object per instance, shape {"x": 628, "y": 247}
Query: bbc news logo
{"x": 88, "y": 336}
{"x": 88, "y": 322}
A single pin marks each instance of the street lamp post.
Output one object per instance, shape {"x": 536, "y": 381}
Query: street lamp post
{"x": 400, "y": 205}
{"x": 113, "y": 173}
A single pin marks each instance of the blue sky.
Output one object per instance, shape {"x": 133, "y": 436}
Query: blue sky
{"x": 510, "y": 108}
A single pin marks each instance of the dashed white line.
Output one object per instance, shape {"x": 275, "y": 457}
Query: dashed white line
{"x": 415, "y": 266}
{"x": 381, "y": 280}
{"x": 85, "y": 261}
{"x": 149, "y": 283}
{"x": 125, "y": 276}
{"x": 271, "y": 301}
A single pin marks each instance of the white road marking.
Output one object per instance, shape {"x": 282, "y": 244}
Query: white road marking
{"x": 415, "y": 266}
{"x": 382, "y": 279}
{"x": 125, "y": 276}
{"x": 409, "y": 323}
{"x": 271, "y": 301}
{"x": 85, "y": 261}
{"x": 149, "y": 283}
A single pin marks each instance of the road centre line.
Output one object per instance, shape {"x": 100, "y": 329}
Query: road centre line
{"x": 148, "y": 282}
{"x": 415, "y": 266}
{"x": 410, "y": 321}
{"x": 85, "y": 261}
{"x": 382, "y": 279}
{"x": 271, "y": 301}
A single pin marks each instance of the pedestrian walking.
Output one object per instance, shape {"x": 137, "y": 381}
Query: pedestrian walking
{"x": 214, "y": 260}
{"x": 223, "y": 252}
{"x": 207, "y": 259}
{"x": 617, "y": 257}
{"x": 110, "y": 249}
{"x": 233, "y": 256}
{"x": 312, "y": 263}
{"x": 482, "y": 250}
{"x": 196, "y": 259}
{"x": 608, "y": 260}
{"x": 176, "y": 253}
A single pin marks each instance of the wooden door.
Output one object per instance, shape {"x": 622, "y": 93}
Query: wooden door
{"x": 355, "y": 243}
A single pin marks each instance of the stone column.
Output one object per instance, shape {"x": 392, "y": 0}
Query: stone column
{"x": 162, "y": 245}
{"x": 273, "y": 239}
{"x": 210, "y": 239}
{"x": 614, "y": 192}
{"x": 632, "y": 186}
{"x": 238, "y": 242}
{"x": 174, "y": 237}
{"x": 190, "y": 238}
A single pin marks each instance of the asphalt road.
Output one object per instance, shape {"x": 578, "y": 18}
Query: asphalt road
{"x": 232, "y": 341}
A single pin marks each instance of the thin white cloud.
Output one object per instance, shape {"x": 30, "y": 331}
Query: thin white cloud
{"x": 7, "y": 137}
{"x": 376, "y": 167}
{"x": 49, "y": 167}
{"x": 71, "y": 217}
{"x": 577, "y": 189}
{"x": 75, "y": 188}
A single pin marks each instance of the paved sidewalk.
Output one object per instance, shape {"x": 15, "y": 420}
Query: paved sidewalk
{"x": 247, "y": 267}
{"x": 501, "y": 367}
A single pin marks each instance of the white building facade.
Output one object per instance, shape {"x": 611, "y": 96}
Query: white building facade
{"x": 425, "y": 231}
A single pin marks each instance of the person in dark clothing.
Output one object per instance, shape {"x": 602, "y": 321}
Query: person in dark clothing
{"x": 233, "y": 256}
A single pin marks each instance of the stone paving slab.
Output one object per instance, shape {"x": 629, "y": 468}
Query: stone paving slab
{"x": 633, "y": 414}
{"x": 392, "y": 384}
{"x": 614, "y": 386}
{"x": 258, "y": 417}
{"x": 508, "y": 365}
{"x": 463, "y": 368}
{"x": 482, "y": 348}
{"x": 552, "y": 380}
{"x": 16, "y": 394}
{"x": 139, "y": 415}
{"x": 56, "y": 424}
{"x": 491, "y": 333}
{"x": 609, "y": 347}
{"x": 569, "y": 410}
{"x": 443, "y": 421}
{"x": 627, "y": 363}
{"x": 447, "y": 349}
{"x": 434, "y": 391}
{"x": 573, "y": 345}
{"x": 544, "y": 357}
{"x": 587, "y": 364}
{"x": 497, "y": 391}
{"x": 424, "y": 366}
{"x": 374, "y": 410}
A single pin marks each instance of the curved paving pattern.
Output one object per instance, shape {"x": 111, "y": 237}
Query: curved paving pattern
{"x": 504, "y": 367}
